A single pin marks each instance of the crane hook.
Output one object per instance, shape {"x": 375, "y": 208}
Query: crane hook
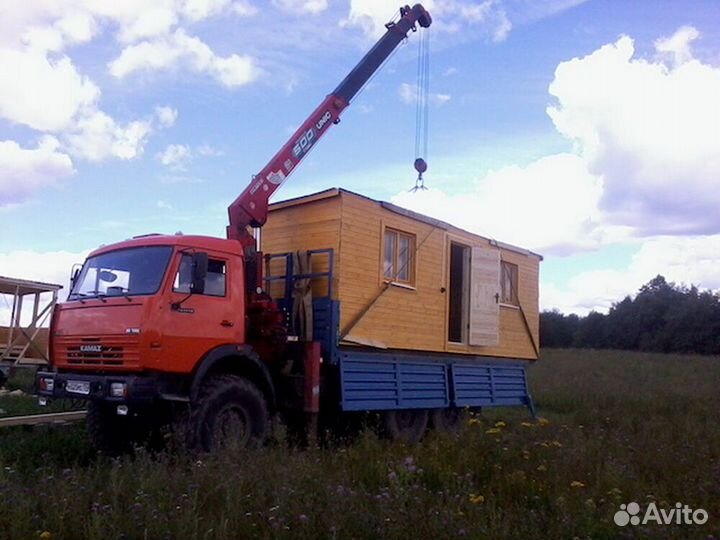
{"x": 420, "y": 167}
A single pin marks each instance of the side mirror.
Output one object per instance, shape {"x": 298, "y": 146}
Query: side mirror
{"x": 199, "y": 272}
{"x": 74, "y": 273}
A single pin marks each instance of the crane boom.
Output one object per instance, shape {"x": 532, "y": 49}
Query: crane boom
{"x": 250, "y": 208}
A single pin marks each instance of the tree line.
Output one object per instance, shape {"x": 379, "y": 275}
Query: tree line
{"x": 662, "y": 317}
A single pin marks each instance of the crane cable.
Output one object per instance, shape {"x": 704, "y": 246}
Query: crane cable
{"x": 422, "y": 109}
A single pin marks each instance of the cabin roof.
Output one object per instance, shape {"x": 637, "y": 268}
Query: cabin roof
{"x": 337, "y": 192}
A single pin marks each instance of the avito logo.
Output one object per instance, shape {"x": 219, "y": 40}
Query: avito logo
{"x": 680, "y": 514}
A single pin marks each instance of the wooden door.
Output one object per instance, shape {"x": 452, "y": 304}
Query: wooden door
{"x": 484, "y": 297}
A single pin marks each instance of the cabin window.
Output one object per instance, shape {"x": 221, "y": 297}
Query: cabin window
{"x": 398, "y": 260}
{"x": 215, "y": 280}
{"x": 508, "y": 283}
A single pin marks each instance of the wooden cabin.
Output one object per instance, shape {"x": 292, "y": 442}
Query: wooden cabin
{"x": 410, "y": 282}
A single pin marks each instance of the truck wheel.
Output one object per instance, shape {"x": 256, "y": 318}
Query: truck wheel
{"x": 231, "y": 412}
{"x": 406, "y": 425}
{"x": 108, "y": 432}
{"x": 446, "y": 420}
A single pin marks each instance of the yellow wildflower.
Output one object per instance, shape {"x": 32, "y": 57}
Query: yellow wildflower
{"x": 543, "y": 421}
{"x": 492, "y": 431}
{"x": 576, "y": 484}
{"x": 526, "y": 424}
{"x": 500, "y": 424}
{"x": 45, "y": 535}
{"x": 476, "y": 499}
{"x": 542, "y": 468}
{"x": 473, "y": 421}
{"x": 556, "y": 444}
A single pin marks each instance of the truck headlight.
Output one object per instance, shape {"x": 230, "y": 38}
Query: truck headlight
{"x": 118, "y": 389}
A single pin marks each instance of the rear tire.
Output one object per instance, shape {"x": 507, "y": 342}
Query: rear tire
{"x": 446, "y": 420}
{"x": 231, "y": 412}
{"x": 407, "y": 425}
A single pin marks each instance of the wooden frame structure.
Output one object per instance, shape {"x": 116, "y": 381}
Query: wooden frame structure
{"x": 22, "y": 345}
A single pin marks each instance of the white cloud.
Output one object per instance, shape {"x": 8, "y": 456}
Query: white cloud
{"x": 175, "y": 156}
{"x": 678, "y": 45}
{"x": 197, "y": 10}
{"x": 47, "y": 93}
{"x": 409, "y": 95}
{"x": 652, "y": 132}
{"x": 33, "y": 79}
{"x": 98, "y": 136}
{"x": 370, "y": 16}
{"x": 209, "y": 151}
{"x": 527, "y": 206}
{"x": 449, "y": 16}
{"x": 177, "y": 49}
{"x": 302, "y": 6}
{"x": 166, "y": 115}
{"x": 688, "y": 260}
{"x": 23, "y": 171}
{"x": 72, "y": 28}
{"x": 244, "y": 8}
{"x": 163, "y": 205}
{"x": 646, "y": 160}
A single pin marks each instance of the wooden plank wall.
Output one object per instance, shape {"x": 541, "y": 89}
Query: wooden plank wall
{"x": 400, "y": 318}
{"x": 312, "y": 225}
{"x": 416, "y": 319}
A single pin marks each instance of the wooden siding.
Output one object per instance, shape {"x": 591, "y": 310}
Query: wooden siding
{"x": 311, "y": 225}
{"x": 392, "y": 316}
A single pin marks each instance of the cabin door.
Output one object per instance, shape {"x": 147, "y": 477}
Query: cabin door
{"x": 484, "y": 329}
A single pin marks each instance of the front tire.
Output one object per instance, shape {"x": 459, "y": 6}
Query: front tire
{"x": 108, "y": 432}
{"x": 231, "y": 412}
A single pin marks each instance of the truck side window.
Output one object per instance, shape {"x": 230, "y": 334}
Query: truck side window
{"x": 215, "y": 281}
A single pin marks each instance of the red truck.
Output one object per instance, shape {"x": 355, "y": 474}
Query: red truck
{"x": 164, "y": 329}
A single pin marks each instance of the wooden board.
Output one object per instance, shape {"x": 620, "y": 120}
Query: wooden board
{"x": 484, "y": 291}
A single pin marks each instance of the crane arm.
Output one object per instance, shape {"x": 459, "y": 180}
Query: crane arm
{"x": 250, "y": 209}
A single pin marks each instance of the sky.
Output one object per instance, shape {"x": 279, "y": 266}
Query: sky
{"x": 587, "y": 131}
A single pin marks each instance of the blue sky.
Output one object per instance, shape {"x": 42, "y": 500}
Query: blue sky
{"x": 588, "y": 131}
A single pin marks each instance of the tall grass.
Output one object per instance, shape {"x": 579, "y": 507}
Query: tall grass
{"x": 618, "y": 427}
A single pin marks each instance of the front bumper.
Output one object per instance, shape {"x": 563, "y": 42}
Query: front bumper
{"x": 140, "y": 389}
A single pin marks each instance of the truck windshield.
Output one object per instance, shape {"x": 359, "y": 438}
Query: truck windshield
{"x": 123, "y": 272}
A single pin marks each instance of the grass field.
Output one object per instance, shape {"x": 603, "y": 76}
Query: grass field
{"x": 617, "y": 427}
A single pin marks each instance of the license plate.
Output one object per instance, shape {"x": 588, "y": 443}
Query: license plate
{"x": 78, "y": 387}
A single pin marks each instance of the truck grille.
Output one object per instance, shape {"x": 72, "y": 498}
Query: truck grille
{"x": 107, "y": 352}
